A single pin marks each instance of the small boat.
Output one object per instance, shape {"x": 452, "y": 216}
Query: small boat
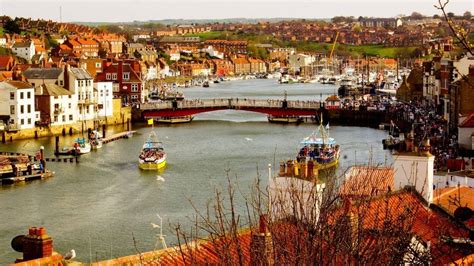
{"x": 175, "y": 119}
{"x": 95, "y": 140}
{"x": 152, "y": 155}
{"x": 216, "y": 81}
{"x": 285, "y": 119}
{"x": 129, "y": 134}
{"x": 205, "y": 84}
{"x": 79, "y": 147}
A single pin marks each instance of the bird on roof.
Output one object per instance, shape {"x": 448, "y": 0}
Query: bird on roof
{"x": 70, "y": 255}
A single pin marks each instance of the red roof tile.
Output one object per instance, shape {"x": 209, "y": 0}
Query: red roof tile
{"x": 468, "y": 122}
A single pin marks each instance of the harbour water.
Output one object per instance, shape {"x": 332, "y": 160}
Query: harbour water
{"x": 99, "y": 206}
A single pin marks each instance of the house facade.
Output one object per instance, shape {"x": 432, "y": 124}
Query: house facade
{"x": 17, "y": 100}
{"x": 25, "y": 50}
{"x": 80, "y": 82}
{"x": 127, "y": 83}
{"x": 57, "y": 106}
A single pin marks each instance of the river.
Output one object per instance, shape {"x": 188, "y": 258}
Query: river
{"x": 99, "y": 205}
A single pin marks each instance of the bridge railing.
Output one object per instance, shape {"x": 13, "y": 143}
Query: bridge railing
{"x": 230, "y": 103}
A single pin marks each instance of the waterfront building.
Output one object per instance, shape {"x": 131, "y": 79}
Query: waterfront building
{"x": 57, "y": 106}
{"x": 257, "y": 66}
{"x": 17, "y": 101}
{"x": 333, "y": 102}
{"x": 241, "y": 66}
{"x": 297, "y": 61}
{"x": 80, "y": 82}
{"x": 127, "y": 83}
{"x": 104, "y": 96}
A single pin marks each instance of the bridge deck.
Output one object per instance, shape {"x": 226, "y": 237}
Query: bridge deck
{"x": 232, "y": 103}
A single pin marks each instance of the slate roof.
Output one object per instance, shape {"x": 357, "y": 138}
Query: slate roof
{"x": 80, "y": 73}
{"x": 13, "y": 84}
{"x": 42, "y": 73}
{"x": 51, "y": 90}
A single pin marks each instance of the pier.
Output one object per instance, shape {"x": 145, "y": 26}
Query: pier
{"x": 121, "y": 135}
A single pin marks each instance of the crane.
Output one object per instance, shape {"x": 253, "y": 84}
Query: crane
{"x": 333, "y": 46}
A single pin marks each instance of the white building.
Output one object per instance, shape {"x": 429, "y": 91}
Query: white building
{"x": 80, "y": 82}
{"x": 296, "y": 61}
{"x": 25, "y": 50}
{"x": 17, "y": 100}
{"x": 57, "y": 106}
{"x": 104, "y": 96}
{"x": 462, "y": 66}
{"x": 416, "y": 171}
{"x": 466, "y": 132}
{"x": 39, "y": 76}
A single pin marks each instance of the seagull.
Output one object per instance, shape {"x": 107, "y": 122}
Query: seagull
{"x": 160, "y": 178}
{"x": 154, "y": 225}
{"x": 248, "y": 139}
{"x": 70, "y": 255}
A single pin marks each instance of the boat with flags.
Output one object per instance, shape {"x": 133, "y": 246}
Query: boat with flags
{"x": 152, "y": 155}
{"x": 319, "y": 149}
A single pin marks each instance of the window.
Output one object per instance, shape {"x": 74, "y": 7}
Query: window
{"x": 126, "y": 76}
{"x": 97, "y": 65}
{"x": 134, "y": 97}
{"x": 28, "y": 95}
{"x": 80, "y": 83}
{"x": 70, "y": 118}
{"x": 22, "y": 109}
{"x": 21, "y": 95}
{"x": 12, "y": 109}
{"x": 114, "y": 76}
{"x": 22, "y": 121}
{"x": 55, "y": 118}
{"x": 108, "y": 76}
{"x": 134, "y": 87}
{"x": 69, "y": 105}
{"x": 29, "y": 108}
{"x": 64, "y": 118}
{"x": 61, "y": 83}
{"x": 56, "y": 106}
{"x": 12, "y": 96}
{"x": 29, "y": 121}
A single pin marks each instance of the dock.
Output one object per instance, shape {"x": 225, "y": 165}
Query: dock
{"x": 121, "y": 135}
{"x": 25, "y": 178}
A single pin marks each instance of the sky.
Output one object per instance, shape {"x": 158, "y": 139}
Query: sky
{"x": 143, "y": 10}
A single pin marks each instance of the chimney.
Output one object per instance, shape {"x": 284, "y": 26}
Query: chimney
{"x": 66, "y": 76}
{"x": 261, "y": 245}
{"x": 37, "y": 244}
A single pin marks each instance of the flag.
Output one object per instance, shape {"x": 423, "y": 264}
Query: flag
{"x": 150, "y": 121}
{"x": 327, "y": 126}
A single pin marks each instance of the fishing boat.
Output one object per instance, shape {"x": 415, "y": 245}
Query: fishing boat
{"x": 174, "y": 120}
{"x": 95, "y": 140}
{"x": 152, "y": 155}
{"x": 284, "y": 119}
{"x": 319, "y": 149}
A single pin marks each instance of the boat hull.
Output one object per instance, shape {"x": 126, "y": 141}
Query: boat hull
{"x": 152, "y": 165}
{"x": 285, "y": 120}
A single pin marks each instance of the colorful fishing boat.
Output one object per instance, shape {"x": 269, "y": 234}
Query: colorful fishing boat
{"x": 319, "y": 149}
{"x": 152, "y": 155}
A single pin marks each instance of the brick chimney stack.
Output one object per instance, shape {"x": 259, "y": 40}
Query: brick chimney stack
{"x": 261, "y": 245}
{"x": 37, "y": 244}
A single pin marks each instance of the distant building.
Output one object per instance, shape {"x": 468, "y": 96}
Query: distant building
{"x": 25, "y": 50}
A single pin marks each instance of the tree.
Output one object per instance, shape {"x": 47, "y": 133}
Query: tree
{"x": 459, "y": 33}
{"x": 416, "y": 15}
{"x": 12, "y": 26}
{"x": 467, "y": 15}
{"x": 435, "y": 16}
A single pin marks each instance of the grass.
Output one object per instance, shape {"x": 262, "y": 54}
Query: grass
{"x": 312, "y": 47}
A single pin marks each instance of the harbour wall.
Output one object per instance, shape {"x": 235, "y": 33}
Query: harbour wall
{"x": 121, "y": 115}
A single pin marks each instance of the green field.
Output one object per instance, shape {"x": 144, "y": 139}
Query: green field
{"x": 312, "y": 47}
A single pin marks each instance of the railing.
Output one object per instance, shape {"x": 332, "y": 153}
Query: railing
{"x": 231, "y": 103}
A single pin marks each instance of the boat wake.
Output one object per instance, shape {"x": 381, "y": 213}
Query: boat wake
{"x": 160, "y": 178}
{"x": 248, "y": 139}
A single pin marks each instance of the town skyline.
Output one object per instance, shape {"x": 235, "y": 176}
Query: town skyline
{"x": 124, "y": 11}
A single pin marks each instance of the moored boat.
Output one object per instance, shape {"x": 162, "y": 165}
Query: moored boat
{"x": 174, "y": 120}
{"x": 95, "y": 140}
{"x": 284, "y": 119}
{"x": 152, "y": 155}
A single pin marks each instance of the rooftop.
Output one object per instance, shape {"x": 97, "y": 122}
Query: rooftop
{"x": 51, "y": 90}
{"x": 42, "y": 73}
